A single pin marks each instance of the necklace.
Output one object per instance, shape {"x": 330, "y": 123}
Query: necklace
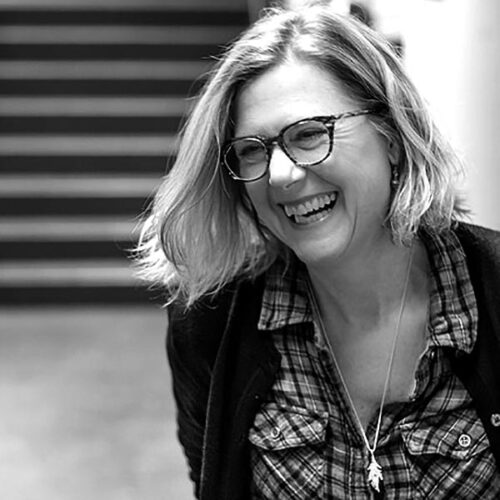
{"x": 375, "y": 476}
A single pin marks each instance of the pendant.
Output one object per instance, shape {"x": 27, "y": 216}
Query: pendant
{"x": 374, "y": 473}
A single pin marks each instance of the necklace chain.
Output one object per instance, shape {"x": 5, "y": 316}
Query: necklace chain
{"x": 374, "y": 469}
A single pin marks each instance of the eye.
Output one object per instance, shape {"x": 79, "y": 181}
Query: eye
{"x": 307, "y": 135}
{"x": 249, "y": 150}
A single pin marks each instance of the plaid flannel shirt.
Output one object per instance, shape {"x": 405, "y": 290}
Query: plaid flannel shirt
{"x": 304, "y": 441}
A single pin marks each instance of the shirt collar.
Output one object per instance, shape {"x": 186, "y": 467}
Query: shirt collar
{"x": 285, "y": 300}
{"x": 453, "y": 313}
{"x": 453, "y": 308}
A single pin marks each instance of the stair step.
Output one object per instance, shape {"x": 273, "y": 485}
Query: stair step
{"x": 71, "y": 125}
{"x": 76, "y": 186}
{"x": 99, "y": 86}
{"x": 66, "y": 250}
{"x": 53, "y": 145}
{"x": 112, "y": 34}
{"x": 84, "y": 115}
{"x": 116, "y": 164}
{"x": 110, "y": 70}
{"x": 103, "y": 13}
{"x": 67, "y": 229}
{"x": 99, "y": 281}
{"x": 115, "y": 52}
{"x": 92, "y": 94}
{"x": 121, "y": 106}
{"x": 67, "y": 238}
{"x": 76, "y": 206}
{"x": 226, "y": 5}
{"x": 77, "y": 273}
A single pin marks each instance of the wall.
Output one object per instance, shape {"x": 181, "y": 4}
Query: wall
{"x": 452, "y": 49}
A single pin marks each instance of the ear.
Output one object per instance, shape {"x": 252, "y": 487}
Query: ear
{"x": 393, "y": 152}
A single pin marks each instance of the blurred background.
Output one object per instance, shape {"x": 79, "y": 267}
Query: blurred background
{"x": 92, "y": 93}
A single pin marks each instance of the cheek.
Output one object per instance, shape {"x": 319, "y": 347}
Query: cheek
{"x": 365, "y": 186}
{"x": 372, "y": 170}
{"x": 373, "y": 188}
{"x": 259, "y": 198}
{"x": 375, "y": 199}
{"x": 256, "y": 193}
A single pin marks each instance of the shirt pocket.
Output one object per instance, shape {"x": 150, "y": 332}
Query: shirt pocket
{"x": 449, "y": 455}
{"x": 287, "y": 452}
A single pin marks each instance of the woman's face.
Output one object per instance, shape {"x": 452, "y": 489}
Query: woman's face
{"x": 331, "y": 211}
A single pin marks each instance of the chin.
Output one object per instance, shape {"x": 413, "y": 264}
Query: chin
{"x": 315, "y": 256}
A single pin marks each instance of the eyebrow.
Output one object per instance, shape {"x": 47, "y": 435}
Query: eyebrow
{"x": 268, "y": 136}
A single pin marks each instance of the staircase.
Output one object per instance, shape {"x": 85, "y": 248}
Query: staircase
{"x": 91, "y": 96}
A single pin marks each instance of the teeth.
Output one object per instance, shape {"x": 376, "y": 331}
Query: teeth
{"x": 303, "y": 209}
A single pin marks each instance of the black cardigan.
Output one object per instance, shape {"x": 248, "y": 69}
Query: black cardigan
{"x": 222, "y": 367}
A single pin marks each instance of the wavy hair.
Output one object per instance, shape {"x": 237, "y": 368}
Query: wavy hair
{"x": 202, "y": 232}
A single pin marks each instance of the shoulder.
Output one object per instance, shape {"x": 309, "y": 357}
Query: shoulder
{"x": 196, "y": 333}
{"x": 482, "y": 249}
{"x": 478, "y": 239}
{"x": 482, "y": 252}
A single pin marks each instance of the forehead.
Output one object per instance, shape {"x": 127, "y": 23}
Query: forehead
{"x": 287, "y": 93}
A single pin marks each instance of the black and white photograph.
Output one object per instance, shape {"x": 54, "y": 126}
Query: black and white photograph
{"x": 249, "y": 249}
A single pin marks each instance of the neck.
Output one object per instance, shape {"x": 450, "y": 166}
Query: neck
{"x": 365, "y": 290}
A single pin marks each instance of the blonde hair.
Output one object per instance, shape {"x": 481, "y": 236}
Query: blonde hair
{"x": 202, "y": 232}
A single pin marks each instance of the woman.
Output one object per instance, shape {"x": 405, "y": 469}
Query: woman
{"x": 333, "y": 328}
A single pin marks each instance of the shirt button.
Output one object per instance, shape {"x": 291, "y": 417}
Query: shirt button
{"x": 275, "y": 433}
{"x": 464, "y": 440}
{"x": 325, "y": 355}
{"x": 318, "y": 427}
{"x": 495, "y": 419}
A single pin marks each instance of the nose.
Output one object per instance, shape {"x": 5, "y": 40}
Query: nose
{"x": 283, "y": 172}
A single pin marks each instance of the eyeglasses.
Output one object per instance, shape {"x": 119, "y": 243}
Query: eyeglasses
{"x": 306, "y": 142}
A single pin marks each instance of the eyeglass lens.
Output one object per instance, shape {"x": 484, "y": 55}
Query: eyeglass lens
{"x": 306, "y": 143}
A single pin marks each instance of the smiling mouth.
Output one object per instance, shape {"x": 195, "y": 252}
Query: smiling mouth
{"x": 311, "y": 210}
